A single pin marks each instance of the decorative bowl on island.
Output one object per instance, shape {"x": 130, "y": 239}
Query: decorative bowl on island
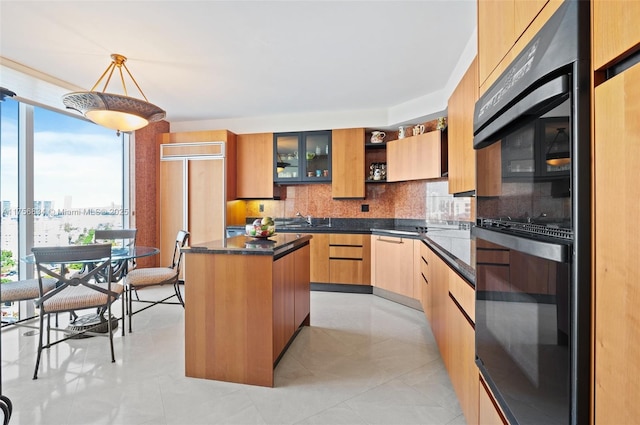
{"x": 261, "y": 228}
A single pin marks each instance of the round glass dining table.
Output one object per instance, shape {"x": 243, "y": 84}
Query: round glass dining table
{"x": 120, "y": 257}
{"x": 118, "y": 253}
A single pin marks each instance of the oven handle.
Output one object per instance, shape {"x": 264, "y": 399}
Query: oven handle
{"x": 545, "y": 97}
{"x": 558, "y": 252}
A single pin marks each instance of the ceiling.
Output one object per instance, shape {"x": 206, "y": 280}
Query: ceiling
{"x": 211, "y": 61}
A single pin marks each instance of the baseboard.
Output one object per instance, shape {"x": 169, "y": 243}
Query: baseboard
{"x": 400, "y": 299}
{"x": 339, "y": 287}
{"x": 367, "y": 289}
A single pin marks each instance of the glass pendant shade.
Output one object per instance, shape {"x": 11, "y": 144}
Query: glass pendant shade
{"x": 115, "y": 111}
{"x": 558, "y": 157}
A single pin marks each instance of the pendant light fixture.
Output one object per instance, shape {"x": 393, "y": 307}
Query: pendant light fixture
{"x": 115, "y": 111}
{"x": 558, "y": 157}
{"x": 281, "y": 165}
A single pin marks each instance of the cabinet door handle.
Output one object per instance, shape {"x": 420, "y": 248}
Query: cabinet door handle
{"x": 395, "y": 240}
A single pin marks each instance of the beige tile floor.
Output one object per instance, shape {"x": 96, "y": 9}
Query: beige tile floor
{"x": 363, "y": 360}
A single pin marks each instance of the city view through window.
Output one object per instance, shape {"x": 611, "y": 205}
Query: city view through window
{"x": 78, "y": 183}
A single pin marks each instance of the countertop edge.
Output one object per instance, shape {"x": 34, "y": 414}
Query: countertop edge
{"x": 462, "y": 268}
{"x": 279, "y": 248}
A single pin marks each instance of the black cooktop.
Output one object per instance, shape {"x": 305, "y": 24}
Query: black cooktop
{"x": 542, "y": 226}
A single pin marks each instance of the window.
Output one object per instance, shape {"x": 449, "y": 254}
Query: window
{"x": 61, "y": 178}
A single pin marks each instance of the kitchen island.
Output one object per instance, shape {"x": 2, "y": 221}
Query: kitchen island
{"x": 245, "y": 299}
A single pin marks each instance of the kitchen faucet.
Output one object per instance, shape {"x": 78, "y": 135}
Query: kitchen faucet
{"x": 307, "y": 219}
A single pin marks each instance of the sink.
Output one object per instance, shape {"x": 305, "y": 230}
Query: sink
{"x": 293, "y": 226}
{"x": 302, "y": 226}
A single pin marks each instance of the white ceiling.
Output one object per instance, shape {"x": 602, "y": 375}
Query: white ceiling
{"x": 365, "y": 63}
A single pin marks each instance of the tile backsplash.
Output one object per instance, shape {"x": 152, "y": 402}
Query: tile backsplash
{"x": 425, "y": 200}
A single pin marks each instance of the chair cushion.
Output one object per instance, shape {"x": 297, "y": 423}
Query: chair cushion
{"x": 150, "y": 276}
{"x": 25, "y": 289}
{"x": 80, "y": 297}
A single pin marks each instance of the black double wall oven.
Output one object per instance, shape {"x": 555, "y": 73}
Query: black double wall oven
{"x": 532, "y": 236}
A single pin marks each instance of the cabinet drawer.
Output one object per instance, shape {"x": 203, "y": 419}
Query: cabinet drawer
{"x": 346, "y": 271}
{"x": 346, "y": 239}
{"x": 424, "y": 268}
{"x": 425, "y": 260}
{"x": 352, "y": 252}
{"x": 463, "y": 293}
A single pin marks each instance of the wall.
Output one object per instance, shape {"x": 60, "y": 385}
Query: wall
{"x": 421, "y": 199}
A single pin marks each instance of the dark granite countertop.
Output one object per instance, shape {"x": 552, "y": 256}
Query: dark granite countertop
{"x": 277, "y": 245}
{"x": 450, "y": 240}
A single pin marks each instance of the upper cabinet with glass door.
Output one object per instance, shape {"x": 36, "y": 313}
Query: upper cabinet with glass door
{"x": 302, "y": 157}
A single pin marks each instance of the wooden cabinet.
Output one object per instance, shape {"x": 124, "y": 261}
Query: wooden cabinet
{"x": 340, "y": 258}
{"x": 524, "y": 12}
{"x": 291, "y": 297}
{"x": 349, "y": 259}
{"x": 616, "y": 32}
{"x": 301, "y": 287}
{"x": 439, "y": 303}
{"x": 265, "y": 309}
{"x": 319, "y": 257}
{"x": 418, "y": 281}
{"x": 461, "y": 345}
{"x": 500, "y": 24}
{"x": 448, "y": 302}
{"x": 510, "y": 25}
{"x": 393, "y": 264}
{"x": 255, "y": 166}
{"x": 417, "y": 157}
{"x": 435, "y": 302}
{"x": 462, "y": 156}
{"x": 496, "y": 34}
{"x": 192, "y": 193}
{"x": 284, "y": 298}
{"x": 616, "y": 243}
{"x": 398, "y": 161}
{"x": 425, "y": 267}
{"x": 488, "y": 411}
{"x": 348, "y": 163}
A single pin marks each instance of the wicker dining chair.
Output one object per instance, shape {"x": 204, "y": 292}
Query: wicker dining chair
{"x": 127, "y": 239}
{"x": 147, "y": 277}
{"x": 24, "y": 290}
{"x": 124, "y": 239}
{"x": 75, "y": 292}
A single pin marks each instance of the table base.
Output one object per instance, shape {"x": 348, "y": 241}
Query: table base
{"x": 90, "y": 320}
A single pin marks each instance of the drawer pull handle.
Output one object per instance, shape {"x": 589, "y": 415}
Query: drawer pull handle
{"x": 390, "y": 240}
